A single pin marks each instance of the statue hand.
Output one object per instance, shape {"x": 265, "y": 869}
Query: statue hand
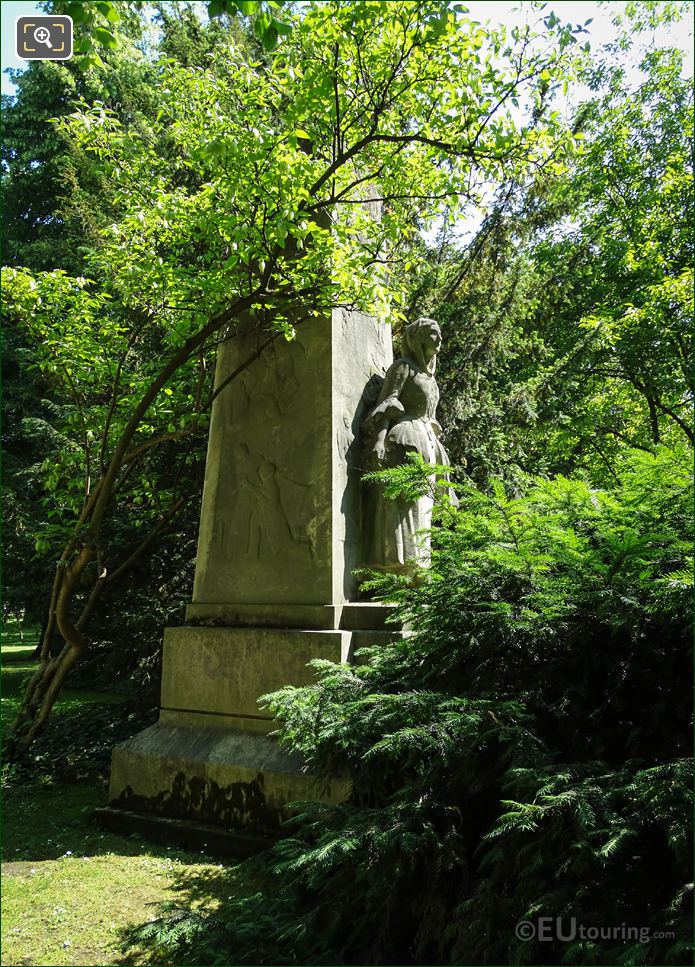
{"x": 379, "y": 452}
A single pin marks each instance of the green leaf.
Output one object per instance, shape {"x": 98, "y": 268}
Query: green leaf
{"x": 91, "y": 60}
{"x": 109, "y": 11}
{"x": 78, "y": 12}
{"x": 105, "y": 37}
{"x": 283, "y": 29}
{"x": 260, "y": 25}
{"x": 83, "y": 45}
{"x": 269, "y": 38}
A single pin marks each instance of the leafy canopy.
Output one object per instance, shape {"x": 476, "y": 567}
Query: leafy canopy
{"x": 297, "y": 181}
{"x": 247, "y": 163}
{"x": 271, "y": 189}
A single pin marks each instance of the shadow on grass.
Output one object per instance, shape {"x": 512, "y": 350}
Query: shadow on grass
{"x": 194, "y": 928}
{"x": 15, "y": 678}
{"x": 16, "y": 675}
{"x": 49, "y": 798}
{"x": 47, "y": 821}
{"x": 18, "y": 642}
{"x": 49, "y": 801}
{"x": 66, "y": 881}
{"x": 83, "y": 728}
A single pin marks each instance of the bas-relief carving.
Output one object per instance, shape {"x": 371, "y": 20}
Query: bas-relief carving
{"x": 278, "y": 474}
{"x": 273, "y": 502}
{"x": 270, "y": 507}
{"x": 402, "y": 422}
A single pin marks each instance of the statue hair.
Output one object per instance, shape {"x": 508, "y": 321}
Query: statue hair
{"x": 411, "y": 345}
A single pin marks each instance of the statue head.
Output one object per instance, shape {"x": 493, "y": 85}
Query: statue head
{"x": 420, "y": 340}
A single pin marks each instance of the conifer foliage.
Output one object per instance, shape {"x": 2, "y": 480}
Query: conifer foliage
{"x": 521, "y": 755}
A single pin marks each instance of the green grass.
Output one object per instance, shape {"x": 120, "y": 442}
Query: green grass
{"x": 15, "y": 634}
{"x": 19, "y": 642}
{"x": 69, "y": 889}
{"x": 19, "y": 652}
{"x": 17, "y": 670}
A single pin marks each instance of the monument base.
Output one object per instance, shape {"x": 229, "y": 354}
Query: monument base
{"x": 185, "y": 833}
{"x": 209, "y": 758}
{"x": 217, "y": 776}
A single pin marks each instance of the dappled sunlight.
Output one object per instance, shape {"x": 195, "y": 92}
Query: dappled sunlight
{"x": 69, "y": 887}
{"x": 84, "y": 886}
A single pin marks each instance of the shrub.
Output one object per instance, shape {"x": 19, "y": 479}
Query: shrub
{"x": 522, "y": 754}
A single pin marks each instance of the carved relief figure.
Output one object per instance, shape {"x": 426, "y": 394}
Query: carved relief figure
{"x": 402, "y": 422}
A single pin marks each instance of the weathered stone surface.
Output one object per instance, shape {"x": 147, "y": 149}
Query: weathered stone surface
{"x": 280, "y": 535}
{"x": 220, "y": 672}
{"x": 351, "y": 615}
{"x": 259, "y": 724}
{"x": 225, "y": 670}
{"x": 280, "y": 521}
{"x": 218, "y": 776}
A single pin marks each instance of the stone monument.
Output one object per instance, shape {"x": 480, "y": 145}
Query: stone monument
{"x": 280, "y": 537}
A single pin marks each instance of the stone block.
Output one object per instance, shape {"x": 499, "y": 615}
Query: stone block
{"x": 280, "y": 537}
{"x": 280, "y": 519}
{"x": 347, "y": 615}
{"x": 209, "y": 757}
{"x": 224, "y": 671}
{"x": 217, "y": 776}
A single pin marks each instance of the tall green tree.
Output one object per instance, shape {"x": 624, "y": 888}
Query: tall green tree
{"x": 56, "y": 203}
{"x": 53, "y": 205}
{"x": 568, "y": 317}
{"x": 245, "y": 198}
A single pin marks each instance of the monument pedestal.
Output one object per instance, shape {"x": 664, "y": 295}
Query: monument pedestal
{"x": 280, "y": 537}
{"x": 209, "y": 758}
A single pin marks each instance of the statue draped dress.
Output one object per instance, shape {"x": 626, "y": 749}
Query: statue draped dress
{"x": 406, "y": 410}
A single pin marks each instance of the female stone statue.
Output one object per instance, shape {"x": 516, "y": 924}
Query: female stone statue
{"x": 402, "y": 422}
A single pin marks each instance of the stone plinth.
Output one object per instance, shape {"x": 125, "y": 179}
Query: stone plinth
{"x": 280, "y": 535}
{"x": 212, "y": 775}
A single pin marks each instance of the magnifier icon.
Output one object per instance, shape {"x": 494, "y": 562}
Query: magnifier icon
{"x": 42, "y": 35}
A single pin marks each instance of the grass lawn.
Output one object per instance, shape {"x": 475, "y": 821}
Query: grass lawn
{"x": 69, "y": 889}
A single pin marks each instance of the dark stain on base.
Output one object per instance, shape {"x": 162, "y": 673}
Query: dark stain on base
{"x": 241, "y": 804}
